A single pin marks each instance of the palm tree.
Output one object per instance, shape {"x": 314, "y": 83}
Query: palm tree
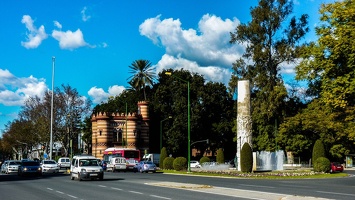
{"x": 142, "y": 75}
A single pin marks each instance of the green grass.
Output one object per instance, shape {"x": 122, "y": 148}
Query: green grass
{"x": 294, "y": 174}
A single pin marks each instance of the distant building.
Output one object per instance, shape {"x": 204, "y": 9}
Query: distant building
{"x": 121, "y": 130}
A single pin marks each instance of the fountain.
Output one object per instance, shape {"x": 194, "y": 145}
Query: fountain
{"x": 267, "y": 161}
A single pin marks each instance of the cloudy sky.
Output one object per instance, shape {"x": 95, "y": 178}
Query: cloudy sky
{"x": 94, "y": 42}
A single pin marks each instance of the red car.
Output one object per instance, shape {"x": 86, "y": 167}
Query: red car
{"x": 336, "y": 167}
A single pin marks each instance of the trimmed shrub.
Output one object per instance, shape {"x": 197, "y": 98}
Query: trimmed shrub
{"x": 180, "y": 163}
{"x": 318, "y": 150}
{"x": 163, "y": 155}
{"x": 204, "y": 159}
{"x": 322, "y": 164}
{"x": 246, "y": 158}
{"x": 220, "y": 156}
{"x": 168, "y": 163}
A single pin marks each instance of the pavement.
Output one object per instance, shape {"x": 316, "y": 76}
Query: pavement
{"x": 246, "y": 194}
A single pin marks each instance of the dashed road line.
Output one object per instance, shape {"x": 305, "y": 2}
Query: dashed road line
{"x": 116, "y": 188}
{"x": 135, "y": 192}
{"x": 160, "y": 197}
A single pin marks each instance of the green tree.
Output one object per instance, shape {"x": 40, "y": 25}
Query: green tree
{"x": 318, "y": 150}
{"x": 328, "y": 67}
{"x": 268, "y": 47}
{"x": 163, "y": 155}
{"x": 142, "y": 75}
{"x": 210, "y": 118}
{"x": 246, "y": 158}
{"x": 220, "y": 156}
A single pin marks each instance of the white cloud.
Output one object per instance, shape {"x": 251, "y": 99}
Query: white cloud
{"x": 14, "y": 91}
{"x": 84, "y": 16}
{"x": 206, "y": 51}
{"x": 34, "y": 36}
{"x": 99, "y": 95}
{"x": 57, "y": 24}
{"x": 69, "y": 40}
{"x": 212, "y": 73}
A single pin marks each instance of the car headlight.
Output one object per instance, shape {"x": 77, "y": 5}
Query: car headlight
{"x": 39, "y": 169}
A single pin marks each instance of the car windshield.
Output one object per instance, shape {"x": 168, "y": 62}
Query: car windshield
{"x": 89, "y": 162}
{"x": 149, "y": 162}
{"x": 49, "y": 162}
{"x": 14, "y": 163}
{"x": 31, "y": 163}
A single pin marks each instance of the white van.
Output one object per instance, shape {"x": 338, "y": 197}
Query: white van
{"x": 86, "y": 167}
{"x": 117, "y": 164}
{"x": 64, "y": 162}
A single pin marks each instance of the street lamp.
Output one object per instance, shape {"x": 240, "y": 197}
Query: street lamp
{"x": 51, "y": 137}
{"x": 161, "y": 131}
{"x": 188, "y": 119}
{"x": 126, "y": 126}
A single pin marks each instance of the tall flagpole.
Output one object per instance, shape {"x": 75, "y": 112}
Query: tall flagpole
{"x": 51, "y": 140}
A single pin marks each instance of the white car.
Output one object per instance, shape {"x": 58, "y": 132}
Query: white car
{"x": 64, "y": 162}
{"x": 4, "y": 166}
{"x": 49, "y": 166}
{"x": 12, "y": 166}
{"x": 194, "y": 164}
{"x": 86, "y": 167}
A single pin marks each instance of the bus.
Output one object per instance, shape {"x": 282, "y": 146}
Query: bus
{"x": 131, "y": 155}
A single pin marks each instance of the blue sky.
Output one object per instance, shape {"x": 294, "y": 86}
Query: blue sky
{"x": 94, "y": 42}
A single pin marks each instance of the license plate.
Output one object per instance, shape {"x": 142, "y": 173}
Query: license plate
{"x": 93, "y": 174}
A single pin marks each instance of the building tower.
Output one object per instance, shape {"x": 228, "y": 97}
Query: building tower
{"x": 120, "y": 130}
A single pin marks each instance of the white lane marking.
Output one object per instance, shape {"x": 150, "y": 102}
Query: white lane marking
{"x": 353, "y": 195}
{"x": 72, "y": 196}
{"x": 60, "y": 192}
{"x": 102, "y": 186}
{"x": 135, "y": 192}
{"x": 260, "y": 186}
{"x": 160, "y": 197}
{"x": 116, "y": 188}
{"x": 49, "y": 189}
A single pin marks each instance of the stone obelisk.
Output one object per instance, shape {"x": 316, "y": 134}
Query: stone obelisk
{"x": 244, "y": 123}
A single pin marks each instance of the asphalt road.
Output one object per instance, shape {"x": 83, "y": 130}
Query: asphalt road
{"x": 167, "y": 186}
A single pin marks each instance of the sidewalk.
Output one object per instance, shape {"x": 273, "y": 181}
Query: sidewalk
{"x": 247, "y": 194}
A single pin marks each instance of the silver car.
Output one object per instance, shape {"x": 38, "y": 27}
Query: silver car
{"x": 12, "y": 166}
{"x": 49, "y": 166}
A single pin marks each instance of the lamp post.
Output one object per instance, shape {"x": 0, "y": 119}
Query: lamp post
{"x": 161, "y": 131}
{"x": 51, "y": 136}
{"x": 188, "y": 119}
{"x": 126, "y": 126}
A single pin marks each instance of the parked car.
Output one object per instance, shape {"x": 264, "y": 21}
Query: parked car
{"x": 12, "y": 166}
{"x": 49, "y": 166}
{"x": 64, "y": 163}
{"x": 146, "y": 166}
{"x": 29, "y": 167}
{"x": 336, "y": 167}
{"x": 4, "y": 166}
{"x": 194, "y": 164}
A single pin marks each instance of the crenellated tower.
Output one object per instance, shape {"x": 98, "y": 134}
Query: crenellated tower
{"x": 121, "y": 130}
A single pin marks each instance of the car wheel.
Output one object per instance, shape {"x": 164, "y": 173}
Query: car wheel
{"x": 79, "y": 179}
{"x": 101, "y": 177}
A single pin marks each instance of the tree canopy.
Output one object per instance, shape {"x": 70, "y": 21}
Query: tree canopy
{"x": 270, "y": 43}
